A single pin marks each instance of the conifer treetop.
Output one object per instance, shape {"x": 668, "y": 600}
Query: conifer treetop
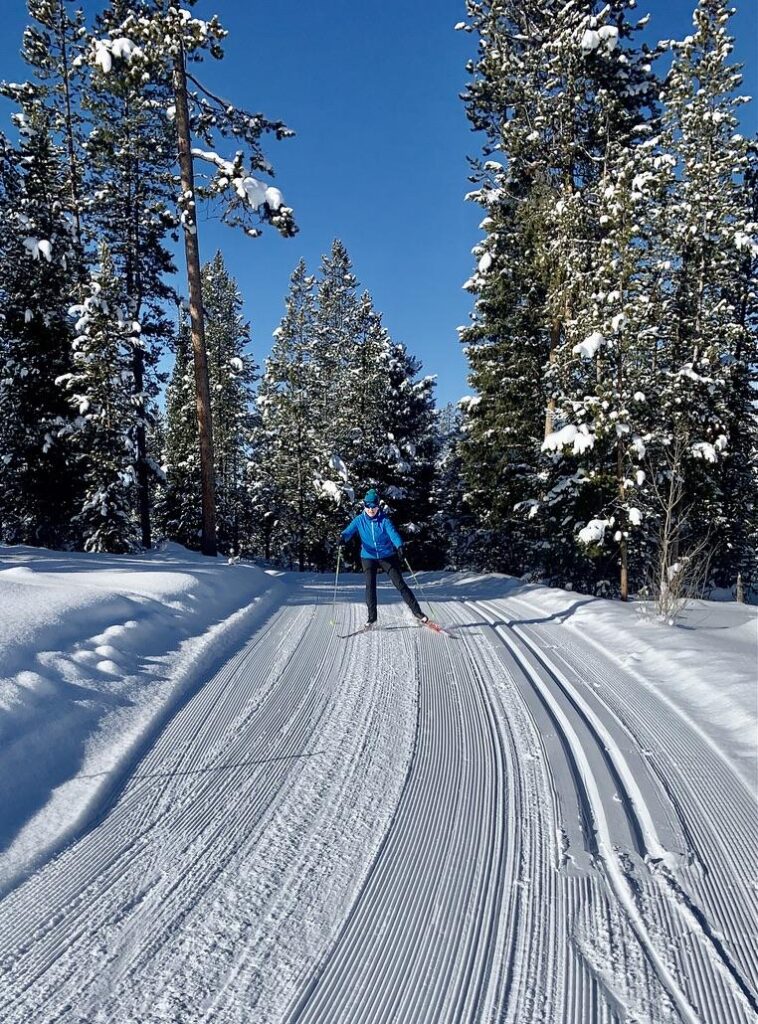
{"x": 144, "y": 44}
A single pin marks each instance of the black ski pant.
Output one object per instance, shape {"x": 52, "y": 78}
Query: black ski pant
{"x": 391, "y": 566}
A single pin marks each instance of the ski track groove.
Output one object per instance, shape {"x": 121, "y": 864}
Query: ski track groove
{"x": 467, "y": 902}
{"x": 215, "y": 841}
{"x": 726, "y": 996}
{"x": 711, "y": 834}
{"x": 373, "y": 723}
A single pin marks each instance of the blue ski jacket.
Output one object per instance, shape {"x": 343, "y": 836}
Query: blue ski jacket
{"x": 379, "y": 538}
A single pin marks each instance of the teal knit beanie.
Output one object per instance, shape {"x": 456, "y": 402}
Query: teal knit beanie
{"x": 372, "y": 498}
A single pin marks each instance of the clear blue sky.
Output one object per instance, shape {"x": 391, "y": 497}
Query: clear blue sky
{"x": 379, "y": 157}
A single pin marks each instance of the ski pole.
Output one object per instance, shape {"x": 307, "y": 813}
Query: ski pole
{"x": 336, "y": 577}
{"x": 415, "y": 580}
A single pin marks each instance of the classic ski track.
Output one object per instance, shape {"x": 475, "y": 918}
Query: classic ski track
{"x": 713, "y": 826}
{"x": 527, "y": 986}
{"x": 716, "y": 830}
{"x": 719, "y": 992}
{"x": 557, "y": 899}
{"x": 49, "y": 884}
{"x": 238, "y": 982}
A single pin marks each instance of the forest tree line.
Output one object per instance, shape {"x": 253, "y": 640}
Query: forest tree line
{"x": 609, "y": 441}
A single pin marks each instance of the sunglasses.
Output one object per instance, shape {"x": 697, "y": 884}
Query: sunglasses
{"x": 371, "y": 508}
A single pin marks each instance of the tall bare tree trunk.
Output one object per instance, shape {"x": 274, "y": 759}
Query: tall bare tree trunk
{"x": 73, "y": 169}
{"x": 208, "y": 544}
{"x": 623, "y": 543}
{"x": 134, "y": 295}
{"x": 555, "y": 336}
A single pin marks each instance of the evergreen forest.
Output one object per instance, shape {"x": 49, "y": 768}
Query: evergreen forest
{"x": 609, "y": 438}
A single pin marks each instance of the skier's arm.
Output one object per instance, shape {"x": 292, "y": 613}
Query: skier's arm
{"x": 349, "y": 531}
{"x": 394, "y": 536}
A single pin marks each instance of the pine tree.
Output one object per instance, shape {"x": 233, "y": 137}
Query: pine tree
{"x": 599, "y": 366}
{"x": 131, "y": 158}
{"x": 452, "y": 531}
{"x": 286, "y": 451}
{"x": 340, "y": 330}
{"x": 166, "y": 40}
{"x": 738, "y": 471}
{"x": 104, "y": 431}
{"x": 525, "y": 96}
{"x": 559, "y": 92}
{"x": 507, "y": 347}
{"x": 334, "y": 386}
{"x": 232, "y": 372}
{"x": 340, "y": 408}
{"x": 38, "y": 274}
{"x": 707, "y": 352}
{"x": 409, "y": 450}
{"x": 180, "y": 506}
{"x": 53, "y": 47}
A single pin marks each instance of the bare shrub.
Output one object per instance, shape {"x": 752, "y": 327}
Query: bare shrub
{"x": 681, "y": 568}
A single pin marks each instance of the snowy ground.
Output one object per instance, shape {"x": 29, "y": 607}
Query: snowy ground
{"x": 212, "y": 808}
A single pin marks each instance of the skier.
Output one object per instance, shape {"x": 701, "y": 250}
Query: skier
{"x": 381, "y": 545}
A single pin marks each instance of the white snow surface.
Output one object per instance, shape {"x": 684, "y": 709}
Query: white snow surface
{"x": 94, "y": 652}
{"x": 226, "y": 805}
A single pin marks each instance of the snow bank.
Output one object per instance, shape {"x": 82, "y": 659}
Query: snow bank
{"x": 95, "y": 652}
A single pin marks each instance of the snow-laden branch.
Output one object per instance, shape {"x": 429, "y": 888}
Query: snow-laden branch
{"x": 246, "y": 186}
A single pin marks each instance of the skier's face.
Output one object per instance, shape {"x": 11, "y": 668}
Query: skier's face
{"x": 371, "y": 510}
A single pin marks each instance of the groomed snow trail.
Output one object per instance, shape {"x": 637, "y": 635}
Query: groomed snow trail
{"x": 402, "y": 827}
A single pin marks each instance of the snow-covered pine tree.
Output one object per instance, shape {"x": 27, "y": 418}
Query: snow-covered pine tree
{"x": 408, "y": 452}
{"x": 598, "y": 369}
{"x": 38, "y": 275}
{"x": 103, "y": 434}
{"x": 369, "y": 408}
{"x": 53, "y": 48}
{"x": 452, "y": 531}
{"x": 707, "y": 351}
{"x": 334, "y": 383}
{"x": 340, "y": 408}
{"x": 559, "y": 90}
{"x": 338, "y": 330}
{"x": 263, "y": 498}
{"x": 738, "y": 471}
{"x": 286, "y": 445}
{"x": 169, "y": 39}
{"x": 156, "y": 451}
{"x": 180, "y": 503}
{"x": 131, "y": 157}
{"x": 525, "y": 95}
{"x": 231, "y": 371}
{"x": 507, "y": 346}
{"x": 362, "y": 379}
